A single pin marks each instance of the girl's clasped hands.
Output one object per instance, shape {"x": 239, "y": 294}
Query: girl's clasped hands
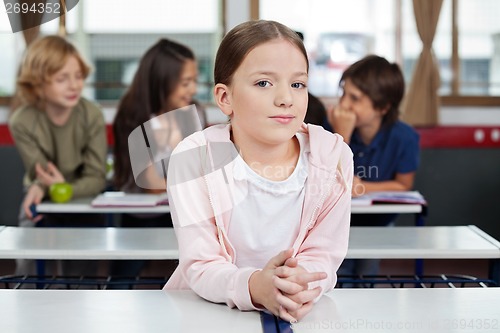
{"x": 282, "y": 287}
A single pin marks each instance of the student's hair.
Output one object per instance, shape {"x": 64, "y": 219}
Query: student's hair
{"x": 381, "y": 81}
{"x": 156, "y": 78}
{"x": 43, "y": 58}
{"x": 243, "y": 38}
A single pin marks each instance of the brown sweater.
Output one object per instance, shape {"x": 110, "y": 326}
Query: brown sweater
{"x": 78, "y": 148}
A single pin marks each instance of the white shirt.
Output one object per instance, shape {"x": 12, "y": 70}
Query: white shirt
{"x": 266, "y": 216}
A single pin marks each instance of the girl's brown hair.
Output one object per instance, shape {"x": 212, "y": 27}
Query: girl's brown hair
{"x": 44, "y": 57}
{"x": 381, "y": 81}
{"x": 243, "y": 38}
{"x": 156, "y": 78}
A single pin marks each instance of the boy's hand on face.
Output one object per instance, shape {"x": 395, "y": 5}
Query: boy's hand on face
{"x": 342, "y": 121}
{"x": 49, "y": 176}
{"x": 293, "y": 282}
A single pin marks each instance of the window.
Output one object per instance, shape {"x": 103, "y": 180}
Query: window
{"x": 11, "y": 45}
{"x": 337, "y": 33}
{"x": 479, "y": 47}
{"x": 116, "y": 45}
{"x": 113, "y": 35}
{"x": 411, "y": 45}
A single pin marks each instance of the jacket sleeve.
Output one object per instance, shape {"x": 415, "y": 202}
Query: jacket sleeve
{"x": 205, "y": 262}
{"x": 325, "y": 245}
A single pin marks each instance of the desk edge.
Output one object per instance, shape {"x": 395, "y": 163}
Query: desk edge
{"x": 486, "y": 236}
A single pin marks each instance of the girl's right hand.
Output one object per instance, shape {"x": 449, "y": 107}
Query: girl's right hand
{"x": 34, "y": 196}
{"x": 263, "y": 291}
{"x": 293, "y": 282}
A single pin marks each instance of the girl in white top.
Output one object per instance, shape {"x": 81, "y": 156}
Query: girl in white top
{"x": 265, "y": 183}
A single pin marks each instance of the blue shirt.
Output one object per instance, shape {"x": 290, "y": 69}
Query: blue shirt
{"x": 395, "y": 149}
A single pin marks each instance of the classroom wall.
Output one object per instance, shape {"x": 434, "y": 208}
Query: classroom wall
{"x": 11, "y": 191}
{"x": 459, "y": 172}
{"x": 462, "y": 186}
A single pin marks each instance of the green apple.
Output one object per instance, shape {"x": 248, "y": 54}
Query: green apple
{"x": 109, "y": 167}
{"x": 60, "y": 192}
{"x": 109, "y": 164}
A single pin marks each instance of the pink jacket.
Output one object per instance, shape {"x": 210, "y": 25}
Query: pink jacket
{"x": 200, "y": 185}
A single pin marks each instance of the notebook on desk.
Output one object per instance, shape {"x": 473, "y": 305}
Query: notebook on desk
{"x": 122, "y": 199}
{"x": 390, "y": 197}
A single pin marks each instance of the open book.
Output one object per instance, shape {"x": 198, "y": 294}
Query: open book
{"x": 394, "y": 197}
{"x": 122, "y": 199}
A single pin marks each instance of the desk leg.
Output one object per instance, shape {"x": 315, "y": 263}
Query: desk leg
{"x": 419, "y": 267}
{"x": 420, "y": 222}
{"x": 110, "y": 220}
{"x": 40, "y": 271}
{"x": 494, "y": 271}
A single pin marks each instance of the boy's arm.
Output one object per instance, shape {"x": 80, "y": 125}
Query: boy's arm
{"x": 402, "y": 182}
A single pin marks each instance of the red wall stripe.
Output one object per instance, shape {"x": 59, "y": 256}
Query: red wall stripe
{"x": 459, "y": 137}
{"x": 6, "y": 138}
{"x": 430, "y": 137}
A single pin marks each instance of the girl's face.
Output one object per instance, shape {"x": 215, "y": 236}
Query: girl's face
{"x": 356, "y": 101}
{"x": 186, "y": 88}
{"x": 268, "y": 93}
{"x": 63, "y": 90}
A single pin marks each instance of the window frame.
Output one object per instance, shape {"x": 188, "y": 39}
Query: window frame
{"x": 453, "y": 99}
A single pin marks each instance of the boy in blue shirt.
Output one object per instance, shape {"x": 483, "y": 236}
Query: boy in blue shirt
{"x": 386, "y": 150}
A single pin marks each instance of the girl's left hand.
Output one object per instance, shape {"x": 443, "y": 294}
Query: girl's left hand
{"x": 49, "y": 176}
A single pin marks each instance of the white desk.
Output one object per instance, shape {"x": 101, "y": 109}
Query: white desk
{"x": 457, "y": 242}
{"x": 387, "y": 209}
{"x": 96, "y": 311}
{"x": 88, "y": 243}
{"x": 450, "y": 242}
{"x": 83, "y": 206}
{"x": 405, "y": 310}
{"x": 342, "y": 310}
